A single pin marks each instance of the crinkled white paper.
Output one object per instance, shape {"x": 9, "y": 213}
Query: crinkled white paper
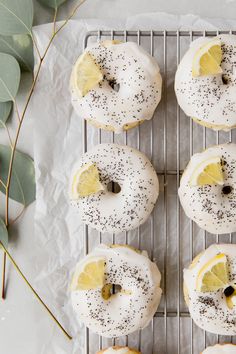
{"x": 58, "y": 145}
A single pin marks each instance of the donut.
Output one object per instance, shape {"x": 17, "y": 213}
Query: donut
{"x": 129, "y": 89}
{"x": 212, "y": 207}
{"x": 210, "y": 100}
{"x": 212, "y": 309}
{"x": 129, "y": 309}
{"x": 106, "y": 211}
{"x": 118, "y": 350}
{"x": 220, "y": 349}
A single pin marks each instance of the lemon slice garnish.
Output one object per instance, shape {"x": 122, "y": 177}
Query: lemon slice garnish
{"x": 208, "y": 172}
{"x": 86, "y": 74}
{"x": 86, "y": 182}
{"x": 91, "y": 276}
{"x": 207, "y": 59}
{"x": 213, "y": 275}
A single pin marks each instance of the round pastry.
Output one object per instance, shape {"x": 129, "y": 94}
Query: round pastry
{"x": 209, "y": 289}
{"x": 220, "y": 349}
{"x": 100, "y": 207}
{"x": 118, "y": 350}
{"x": 115, "y": 86}
{"x": 207, "y": 189}
{"x": 205, "y": 82}
{"x": 137, "y": 292}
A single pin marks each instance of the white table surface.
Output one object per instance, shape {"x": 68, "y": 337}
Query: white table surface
{"x": 20, "y": 311}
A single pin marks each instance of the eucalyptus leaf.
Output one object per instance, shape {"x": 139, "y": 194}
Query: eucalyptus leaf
{"x": 16, "y": 17}
{"x": 22, "y": 188}
{"x": 9, "y": 77}
{"x": 19, "y": 46}
{"x": 54, "y": 4}
{"x": 3, "y": 233}
{"x": 5, "y": 110}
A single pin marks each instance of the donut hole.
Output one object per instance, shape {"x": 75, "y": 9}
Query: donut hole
{"x": 229, "y": 291}
{"x": 227, "y": 190}
{"x": 225, "y": 80}
{"x": 113, "y": 187}
{"x": 114, "y": 85}
{"x": 110, "y": 289}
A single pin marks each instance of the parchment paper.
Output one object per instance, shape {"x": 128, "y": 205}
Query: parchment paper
{"x": 59, "y": 238}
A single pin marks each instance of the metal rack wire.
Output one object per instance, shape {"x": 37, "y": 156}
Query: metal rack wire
{"x": 169, "y": 140}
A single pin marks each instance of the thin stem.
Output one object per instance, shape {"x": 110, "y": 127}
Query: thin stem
{"x": 34, "y": 291}
{"x": 17, "y": 110}
{"x": 3, "y": 274}
{"x": 8, "y": 132}
{"x": 60, "y": 28}
{"x": 18, "y": 216}
{"x": 54, "y": 20}
{"x": 3, "y": 184}
{"x": 35, "y": 44}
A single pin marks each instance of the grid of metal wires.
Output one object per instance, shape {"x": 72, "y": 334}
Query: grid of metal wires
{"x": 169, "y": 140}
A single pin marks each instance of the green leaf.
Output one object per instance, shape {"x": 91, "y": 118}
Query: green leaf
{"x": 54, "y": 4}
{"x": 22, "y": 188}
{"x": 19, "y": 46}
{"x": 3, "y": 234}
{"x": 5, "y": 110}
{"x": 16, "y": 17}
{"x": 9, "y": 77}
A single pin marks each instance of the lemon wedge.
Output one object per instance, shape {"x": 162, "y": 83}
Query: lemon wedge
{"x": 91, "y": 276}
{"x": 86, "y": 182}
{"x": 86, "y": 74}
{"x": 207, "y": 59}
{"x": 208, "y": 172}
{"x": 213, "y": 275}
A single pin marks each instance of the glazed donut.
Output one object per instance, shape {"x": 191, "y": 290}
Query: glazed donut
{"x": 133, "y": 306}
{"x": 129, "y": 68}
{"x": 210, "y": 100}
{"x": 212, "y": 207}
{"x": 126, "y": 210}
{"x": 213, "y": 311}
{"x": 118, "y": 350}
{"x": 221, "y": 349}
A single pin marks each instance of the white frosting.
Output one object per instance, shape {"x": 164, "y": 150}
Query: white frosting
{"x": 207, "y": 205}
{"x": 137, "y": 73}
{"x": 122, "y": 313}
{"x": 126, "y": 210}
{"x": 207, "y": 98}
{"x": 209, "y": 310}
{"x": 116, "y": 351}
{"x": 220, "y": 349}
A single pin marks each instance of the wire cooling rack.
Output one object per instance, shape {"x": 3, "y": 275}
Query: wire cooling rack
{"x": 170, "y": 238}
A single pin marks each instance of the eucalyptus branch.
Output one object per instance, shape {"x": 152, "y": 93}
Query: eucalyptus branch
{"x": 10, "y": 170}
{"x": 33, "y": 290}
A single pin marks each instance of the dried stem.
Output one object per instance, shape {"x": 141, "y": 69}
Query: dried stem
{"x": 3, "y": 274}
{"x": 17, "y": 110}
{"x": 2, "y": 183}
{"x": 8, "y": 132}
{"x": 33, "y": 290}
{"x": 54, "y": 20}
{"x": 35, "y": 44}
{"x": 41, "y": 58}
